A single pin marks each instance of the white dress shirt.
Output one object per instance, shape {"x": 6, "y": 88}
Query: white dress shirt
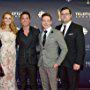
{"x": 67, "y": 26}
{"x": 48, "y": 31}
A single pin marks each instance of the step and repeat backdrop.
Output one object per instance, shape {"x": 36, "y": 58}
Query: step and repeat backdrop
{"x": 81, "y": 15}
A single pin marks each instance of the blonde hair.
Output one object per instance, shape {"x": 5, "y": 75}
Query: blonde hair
{"x": 12, "y": 25}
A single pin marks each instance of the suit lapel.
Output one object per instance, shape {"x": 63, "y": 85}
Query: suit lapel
{"x": 69, "y": 30}
{"x": 40, "y": 38}
{"x": 49, "y": 36}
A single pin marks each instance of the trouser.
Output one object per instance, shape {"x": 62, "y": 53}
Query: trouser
{"x": 69, "y": 78}
{"x": 31, "y": 70}
{"x": 48, "y": 78}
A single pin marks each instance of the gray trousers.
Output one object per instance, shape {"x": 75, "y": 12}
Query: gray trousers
{"x": 48, "y": 78}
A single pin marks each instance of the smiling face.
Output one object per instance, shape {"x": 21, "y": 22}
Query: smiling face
{"x": 7, "y": 22}
{"x": 7, "y": 19}
{"x": 25, "y": 20}
{"x": 46, "y": 22}
{"x": 66, "y": 16}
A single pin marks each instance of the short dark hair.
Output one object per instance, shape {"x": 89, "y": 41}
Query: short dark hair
{"x": 25, "y": 12}
{"x": 47, "y": 14}
{"x": 64, "y": 8}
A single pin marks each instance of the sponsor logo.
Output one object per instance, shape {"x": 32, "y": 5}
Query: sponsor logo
{"x": 82, "y": 15}
{"x": 68, "y": 0}
{"x": 16, "y": 13}
{"x": 88, "y": 64}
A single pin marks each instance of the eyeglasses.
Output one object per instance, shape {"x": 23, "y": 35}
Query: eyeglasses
{"x": 66, "y": 14}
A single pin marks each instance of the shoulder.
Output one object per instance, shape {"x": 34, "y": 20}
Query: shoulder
{"x": 36, "y": 30}
{"x": 76, "y": 25}
{"x": 33, "y": 28}
{"x": 78, "y": 29}
{"x": 0, "y": 29}
{"x": 58, "y": 27}
{"x": 19, "y": 31}
{"x": 56, "y": 32}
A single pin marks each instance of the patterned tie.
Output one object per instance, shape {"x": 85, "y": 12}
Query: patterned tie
{"x": 64, "y": 29}
{"x": 44, "y": 38}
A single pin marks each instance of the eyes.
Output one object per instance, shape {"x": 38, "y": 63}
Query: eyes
{"x": 46, "y": 20}
{"x": 25, "y": 18}
{"x": 65, "y": 14}
{"x": 9, "y": 18}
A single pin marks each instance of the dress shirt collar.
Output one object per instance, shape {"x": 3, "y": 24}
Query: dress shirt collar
{"x": 67, "y": 24}
{"x": 48, "y": 29}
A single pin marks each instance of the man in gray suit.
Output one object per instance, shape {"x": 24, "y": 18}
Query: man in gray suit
{"x": 50, "y": 41}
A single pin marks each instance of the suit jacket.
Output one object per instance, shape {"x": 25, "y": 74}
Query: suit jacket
{"x": 27, "y": 53}
{"x": 76, "y": 45}
{"x": 0, "y": 43}
{"x": 49, "y": 52}
{"x": 0, "y": 50}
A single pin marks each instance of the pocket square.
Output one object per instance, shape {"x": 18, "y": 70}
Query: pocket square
{"x": 70, "y": 34}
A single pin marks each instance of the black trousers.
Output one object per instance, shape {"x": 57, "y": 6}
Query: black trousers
{"x": 69, "y": 78}
{"x": 31, "y": 72}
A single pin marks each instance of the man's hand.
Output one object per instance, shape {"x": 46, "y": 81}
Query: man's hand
{"x": 76, "y": 67}
{"x": 56, "y": 66}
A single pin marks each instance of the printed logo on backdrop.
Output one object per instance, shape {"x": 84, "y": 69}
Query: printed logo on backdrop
{"x": 40, "y": 13}
{"x": 16, "y": 13}
{"x": 87, "y": 64}
{"x": 85, "y": 31}
{"x": 87, "y": 47}
{"x": 88, "y": 2}
{"x": 68, "y": 0}
{"x": 82, "y": 15}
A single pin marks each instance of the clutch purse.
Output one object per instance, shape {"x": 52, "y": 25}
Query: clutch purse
{"x": 1, "y": 71}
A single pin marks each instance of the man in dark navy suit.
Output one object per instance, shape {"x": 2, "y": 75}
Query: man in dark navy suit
{"x": 73, "y": 33}
{"x": 27, "y": 40}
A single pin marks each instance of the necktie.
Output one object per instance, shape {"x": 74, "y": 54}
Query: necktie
{"x": 64, "y": 29}
{"x": 44, "y": 38}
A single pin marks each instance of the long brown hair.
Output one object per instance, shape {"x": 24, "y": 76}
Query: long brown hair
{"x": 12, "y": 25}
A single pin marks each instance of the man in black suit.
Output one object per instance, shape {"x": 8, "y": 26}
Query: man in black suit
{"x": 27, "y": 41}
{"x": 73, "y": 33}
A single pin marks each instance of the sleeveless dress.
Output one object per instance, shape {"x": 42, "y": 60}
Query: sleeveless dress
{"x": 8, "y": 60}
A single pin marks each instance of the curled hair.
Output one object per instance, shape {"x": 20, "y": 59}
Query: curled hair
{"x": 12, "y": 26}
